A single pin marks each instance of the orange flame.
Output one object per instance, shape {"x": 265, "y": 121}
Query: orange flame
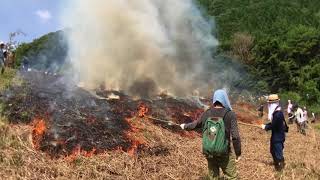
{"x": 77, "y": 151}
{"x": 134, "y": 147}
{"x": 39, "y": 129}
{"x": 143, "y": 110}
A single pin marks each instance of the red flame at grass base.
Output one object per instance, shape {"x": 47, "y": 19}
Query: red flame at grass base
{"x": 38, "y": 131}
{"x": 142, "y": 110}
{"x": 77, "y": 151}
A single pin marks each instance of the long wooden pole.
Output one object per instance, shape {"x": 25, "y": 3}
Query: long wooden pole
{"x": 162, "y": 120}
{"x": 247, "y": 124}
{"x": 173, "y": 123}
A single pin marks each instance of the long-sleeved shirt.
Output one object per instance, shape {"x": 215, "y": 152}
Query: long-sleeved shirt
{"x": 289, "y": 109}
{"x": 277, "y": 127}
{"x": 305, "y": 115}
{"x": 299, "y": 115}
{"x": 1, "y": 57}
{"x": 230, "y": 122}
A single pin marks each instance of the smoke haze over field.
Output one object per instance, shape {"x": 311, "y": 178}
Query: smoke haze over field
{"x": 136, "y": 46}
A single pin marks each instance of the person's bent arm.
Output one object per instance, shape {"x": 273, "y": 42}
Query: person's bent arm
{"x": 235, "y": 135}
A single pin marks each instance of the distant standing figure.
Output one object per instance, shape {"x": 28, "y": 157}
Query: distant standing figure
{"x": 300, "y": 121}
{"x": 25, "y": 64}
{"x": 313, "y": 118}
{"x": 305, "y": 114}
{"x": 289, "y": 111}
{"x": 2, "y": 57}
{"x": 260, "y": 110}
{"x": 11, "y": 59}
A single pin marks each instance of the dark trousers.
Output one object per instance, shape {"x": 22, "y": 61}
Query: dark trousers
{"x": 301, "y": 127}
{"x": 276, "y": 150}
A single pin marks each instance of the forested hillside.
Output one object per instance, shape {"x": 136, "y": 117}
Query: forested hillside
{"x": 47, "y": 52}
{"x": 278, "y": 41}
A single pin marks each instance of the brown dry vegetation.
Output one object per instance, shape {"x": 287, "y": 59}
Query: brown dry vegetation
{"x": 170, "y": 156}
{"x": 167, "y": 155}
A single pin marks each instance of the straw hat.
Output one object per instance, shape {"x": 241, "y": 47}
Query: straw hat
{"x": 273, "y": 98}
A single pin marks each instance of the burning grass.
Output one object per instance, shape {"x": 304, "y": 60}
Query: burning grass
{"x": 168, "y": 156}
{"x": 50, "y": 135}
{"x": 71, "y": 122}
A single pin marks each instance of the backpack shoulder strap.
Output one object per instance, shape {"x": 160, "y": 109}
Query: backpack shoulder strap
{"x": 283, "y": 119}
{"x": 275, "y": 110}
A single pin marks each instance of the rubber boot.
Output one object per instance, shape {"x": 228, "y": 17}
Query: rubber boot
{"x": 279, "y": 165}
{"x": 282, "y": 164}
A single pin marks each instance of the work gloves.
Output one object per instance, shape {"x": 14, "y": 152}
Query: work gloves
{"x": 238, "y": 158}
{"x": 182, "y": 126}
{"x": 263, "y": 126}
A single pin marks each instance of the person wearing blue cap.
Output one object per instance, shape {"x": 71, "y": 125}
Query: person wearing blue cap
{"x": 219, "y": 125}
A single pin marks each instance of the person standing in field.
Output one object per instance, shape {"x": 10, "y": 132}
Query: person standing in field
{"x": 313, "y": 118}
{"x": 289, "y": 111}
{"x": 305, "y": 114}
{"x": 300, "y": 120}
{"x": 219, "y": 125}
{"x": 260, "y": 110}
{"x": 2, "y": 57}
{"x": 278, "y": 127}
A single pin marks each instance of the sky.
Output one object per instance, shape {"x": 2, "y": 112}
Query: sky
{"x": 33, "y": 17}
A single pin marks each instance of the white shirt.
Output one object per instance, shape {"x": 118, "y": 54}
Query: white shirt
{"x": 289, "y": 108}
{"x": 299, "y": 115}
{"x": 305, "y": 114}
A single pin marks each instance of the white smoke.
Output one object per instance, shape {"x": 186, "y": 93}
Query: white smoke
{"x": 154, "y": 44}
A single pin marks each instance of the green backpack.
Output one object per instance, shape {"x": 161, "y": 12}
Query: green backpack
{"x": 214, "y": 141}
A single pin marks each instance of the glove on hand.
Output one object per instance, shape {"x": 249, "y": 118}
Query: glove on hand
{"x": 238, "y": 158}
{"x": 263, "y": 126}
{"x": 182, "y": 126}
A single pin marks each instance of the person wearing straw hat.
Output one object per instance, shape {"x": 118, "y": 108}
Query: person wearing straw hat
{"x": 219, "y": 125}
{"x": 278, "y": 127}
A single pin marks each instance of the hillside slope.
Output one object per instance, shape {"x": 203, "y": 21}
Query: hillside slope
{"x": 261, "y": 18}
{"x": 277, "y": 41}
{"x": 161, "y": 152}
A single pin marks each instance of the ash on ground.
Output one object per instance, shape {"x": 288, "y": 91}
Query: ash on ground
{"x": 94, "y": 121}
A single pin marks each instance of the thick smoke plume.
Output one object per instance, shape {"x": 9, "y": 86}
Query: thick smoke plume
{"x": 140, "y": 45}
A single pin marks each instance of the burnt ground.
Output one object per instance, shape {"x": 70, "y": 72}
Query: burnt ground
{"x": 163, "y": 152}
{"x": 76, "y": 119}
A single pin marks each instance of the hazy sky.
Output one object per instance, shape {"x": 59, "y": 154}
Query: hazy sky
{"x": 33, "y": 17}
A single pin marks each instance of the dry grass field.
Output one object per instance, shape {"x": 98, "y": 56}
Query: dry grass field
{"x": 167, "y": 154}
{"x": 170, "y": 156}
